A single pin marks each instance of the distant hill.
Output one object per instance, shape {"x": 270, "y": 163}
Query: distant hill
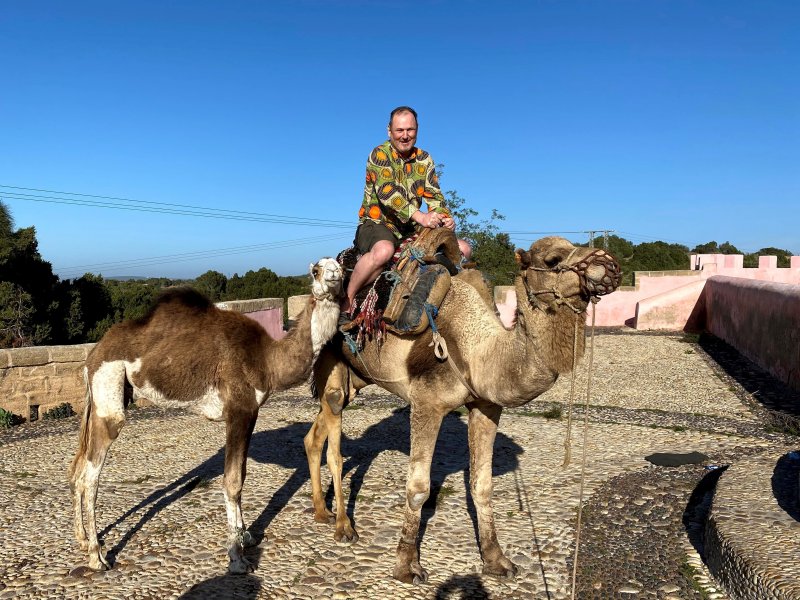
{"x": 126, "y": 277}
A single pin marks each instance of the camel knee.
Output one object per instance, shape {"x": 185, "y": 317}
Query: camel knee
{"x": 417, "y": 493}
{"x": 482, "y": 492}
{"x": 335, "y": 399}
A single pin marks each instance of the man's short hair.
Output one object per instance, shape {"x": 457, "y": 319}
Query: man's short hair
{"x": 403, "y": 109}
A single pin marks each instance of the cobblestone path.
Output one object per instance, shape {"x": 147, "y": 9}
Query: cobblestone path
{"x": 161, "y": 515}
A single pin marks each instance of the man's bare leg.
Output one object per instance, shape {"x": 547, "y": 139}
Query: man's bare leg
{"x": 367, "y": 269}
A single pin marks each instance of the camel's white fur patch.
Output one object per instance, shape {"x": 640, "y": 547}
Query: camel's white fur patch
{"x": 324, "y": 322}
{"x": 108, "y": 392}
{"x": 234, "y": 513}
{"x": 260, "y": 397}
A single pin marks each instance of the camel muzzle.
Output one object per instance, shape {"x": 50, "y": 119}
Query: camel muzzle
{"x": 599, "y": 273}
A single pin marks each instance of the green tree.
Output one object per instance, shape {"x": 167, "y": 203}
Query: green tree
{"x": 212, "y": 284}
{"x": 784, "y": 257}
{"x": 16, "y": 312}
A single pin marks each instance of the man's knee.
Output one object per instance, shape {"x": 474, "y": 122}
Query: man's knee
{"x": 381, "y": 252}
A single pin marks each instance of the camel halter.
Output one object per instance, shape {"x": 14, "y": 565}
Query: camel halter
{"x": 590, "y": 288}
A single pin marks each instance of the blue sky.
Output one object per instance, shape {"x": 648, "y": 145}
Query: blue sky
{"x": 661, "y": 120}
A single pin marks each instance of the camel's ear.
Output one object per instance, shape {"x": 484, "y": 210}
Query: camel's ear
{"x": 311, "y": 268}
{"x": 523, "y": 258}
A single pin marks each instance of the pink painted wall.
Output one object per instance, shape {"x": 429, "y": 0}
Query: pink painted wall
{"x": 270, "y": 319}
{"x": 653, "y": 296}
{"x": 678, "y": 305}
{"x": 655, "y": 290}
{"x": 761, "y": 319}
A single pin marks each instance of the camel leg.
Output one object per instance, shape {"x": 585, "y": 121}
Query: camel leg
{"x": 103, "y": 419}
{"x": 425, "y": 424}
{"x": 483, "y": 420}
{"x": 313, "y": 442}
{"x": 333, "y": 424}
{"x": 240, "y": 419}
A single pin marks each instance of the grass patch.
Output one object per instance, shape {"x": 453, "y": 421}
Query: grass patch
{"x": 444, "y": 492}
{"x": 690, "y": 338}
{"x": 554, "y": 412}
{"x": 461, "y": 410}
{"x": 688, "y": 351}
{"x": 778, "y": 422}
{"x": 690, "y": 573}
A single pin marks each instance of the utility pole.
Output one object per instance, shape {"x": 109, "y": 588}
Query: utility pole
{"x": 605, "y": 237}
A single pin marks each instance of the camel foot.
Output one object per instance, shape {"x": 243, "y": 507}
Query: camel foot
{"x": 325, "y": 516}
{"x": 502, "y": 569}
{"x": 346, "y": 534}
{"x": 412, "y": 573}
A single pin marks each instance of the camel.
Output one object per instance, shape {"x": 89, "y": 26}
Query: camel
{"x": 221, "y": 364}
{"x": 497, "y": 368}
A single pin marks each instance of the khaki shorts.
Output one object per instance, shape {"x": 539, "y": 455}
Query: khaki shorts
{"x": 369, "y": 233}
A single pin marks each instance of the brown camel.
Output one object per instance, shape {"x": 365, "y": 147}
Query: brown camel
{"x": 503, "y": 368}
{"x": 188, "y": 352}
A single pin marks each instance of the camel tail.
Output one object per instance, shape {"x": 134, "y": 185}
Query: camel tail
{"x": 83, "y": 436}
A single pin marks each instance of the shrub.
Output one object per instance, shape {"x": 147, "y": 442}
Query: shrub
{"x": 9, "y": 419}
{"x": 62, "y": 411}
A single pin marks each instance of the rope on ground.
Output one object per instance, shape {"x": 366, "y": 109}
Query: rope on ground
{"x": 583, "y": 454}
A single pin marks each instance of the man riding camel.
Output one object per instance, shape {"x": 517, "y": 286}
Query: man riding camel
{"x": 400, "y": 178}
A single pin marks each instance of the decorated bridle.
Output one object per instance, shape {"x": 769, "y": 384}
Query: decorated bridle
{"x": 590, "y": 288}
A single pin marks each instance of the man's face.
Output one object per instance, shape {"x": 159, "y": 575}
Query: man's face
{"x": 403, "y": 133}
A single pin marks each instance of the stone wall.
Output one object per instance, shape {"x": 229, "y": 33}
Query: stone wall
{"x": 34, "y": 380}
{"x": 761, "y": 319}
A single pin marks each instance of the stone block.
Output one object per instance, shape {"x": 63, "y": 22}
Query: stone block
{"x": 15, "y": 404}
{"x": 74, "y": 353}
{"x": 39, "y": 371}
{"x": 296, "y": 304}
{"x": 26, "y": 385}
{"x": 27, "y": 357}
{"x": 5, "y": 358}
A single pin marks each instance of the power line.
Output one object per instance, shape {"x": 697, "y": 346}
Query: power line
{"x": 78, "y": 199}
{"x": 68, "y": 272}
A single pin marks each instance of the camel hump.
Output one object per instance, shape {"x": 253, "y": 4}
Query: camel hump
{"x": 178, "y": 298}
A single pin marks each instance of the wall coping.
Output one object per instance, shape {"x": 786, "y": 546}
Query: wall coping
{"x": 254, "y": 305}
{"x": 34, "y": 356}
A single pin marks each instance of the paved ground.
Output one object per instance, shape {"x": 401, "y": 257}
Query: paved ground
{"x": 161, "y": 515}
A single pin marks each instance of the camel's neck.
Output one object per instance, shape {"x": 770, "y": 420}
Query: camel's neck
{"x": 290, "y": 359}
{"x": 553, "y": 335}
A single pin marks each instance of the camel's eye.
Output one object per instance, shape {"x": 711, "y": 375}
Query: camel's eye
{"x": 315, "y": 271}
{"x": 552, "y": 261}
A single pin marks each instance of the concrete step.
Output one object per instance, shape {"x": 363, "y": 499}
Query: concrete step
{"x": 753, "y": 530}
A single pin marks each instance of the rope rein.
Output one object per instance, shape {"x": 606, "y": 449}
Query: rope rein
{"x": 583, "y": 452}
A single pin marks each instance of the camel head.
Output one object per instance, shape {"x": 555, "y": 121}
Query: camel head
{"x": 556, "y": 272}
{"x": 326, "y": 279}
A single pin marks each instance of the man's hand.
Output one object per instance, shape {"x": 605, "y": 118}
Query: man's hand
{"x": 449, "y": 223}
{"x": 431, "y": 220}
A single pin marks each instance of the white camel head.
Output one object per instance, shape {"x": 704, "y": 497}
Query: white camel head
{"x": 326, "y": 279}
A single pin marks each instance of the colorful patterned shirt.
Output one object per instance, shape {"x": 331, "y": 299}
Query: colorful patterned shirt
{"x": 397, "y": 187}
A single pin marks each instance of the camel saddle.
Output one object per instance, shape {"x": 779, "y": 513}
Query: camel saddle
{"x": 404, "y": 298}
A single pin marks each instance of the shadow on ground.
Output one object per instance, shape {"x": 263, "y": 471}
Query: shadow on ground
{"x": 283, "y": 447}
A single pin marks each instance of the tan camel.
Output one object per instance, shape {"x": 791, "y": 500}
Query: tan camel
{"x": 222, "y": 364}
{"x": 504, "y": 368}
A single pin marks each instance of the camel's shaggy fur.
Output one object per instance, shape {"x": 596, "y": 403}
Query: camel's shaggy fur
{"x": 505, "y": 368}
{"x": 222, "y": 364}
